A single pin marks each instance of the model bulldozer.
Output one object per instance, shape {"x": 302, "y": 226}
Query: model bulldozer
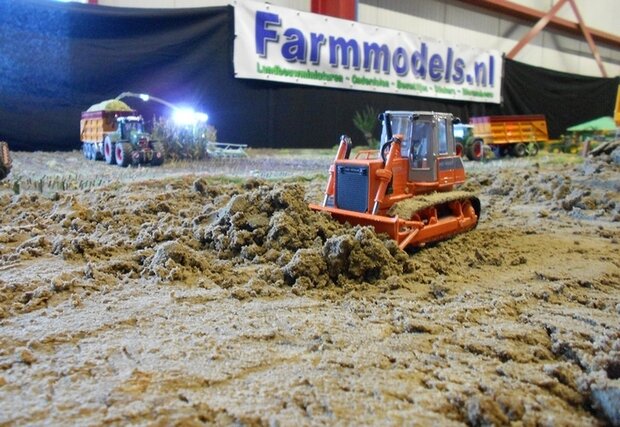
{"x": 407, "y": 189}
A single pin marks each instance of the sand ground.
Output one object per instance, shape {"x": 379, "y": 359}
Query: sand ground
{"x": 208, "y": 293}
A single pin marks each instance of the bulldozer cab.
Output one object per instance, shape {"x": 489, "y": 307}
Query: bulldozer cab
{"x": 427, "y": 136}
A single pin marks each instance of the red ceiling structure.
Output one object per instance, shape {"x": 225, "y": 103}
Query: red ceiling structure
{"x": 528, "y": 14}
{"x": 549, "y": 18}
{"x": 345, "y": 9}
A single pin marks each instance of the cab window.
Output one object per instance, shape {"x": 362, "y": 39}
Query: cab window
{"x": 421, "y": 143}
{"x": 443, "y": 137}
{"x": 400, "y": 125}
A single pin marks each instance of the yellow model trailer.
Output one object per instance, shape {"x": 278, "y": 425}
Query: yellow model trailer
{"x": 516, "y": 135}
{"x": 111, "y": 131}
{"x": 98, "y": 121}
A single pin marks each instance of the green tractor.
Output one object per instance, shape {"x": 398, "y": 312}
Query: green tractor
{"x": 130, "y": 144}
{"x": 466, "y": 142}
{"x": 112, "y": 131}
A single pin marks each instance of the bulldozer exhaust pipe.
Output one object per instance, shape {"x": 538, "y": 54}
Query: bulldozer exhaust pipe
{"x": 387, "y": 119}
{"x": 344, "y": 151}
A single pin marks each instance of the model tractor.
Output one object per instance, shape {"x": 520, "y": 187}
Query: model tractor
{"x": 5, "y": 160}
{"x": 464, "y": 141}
{"x": 408, "y": 188}
{"x": 112, "y": 131}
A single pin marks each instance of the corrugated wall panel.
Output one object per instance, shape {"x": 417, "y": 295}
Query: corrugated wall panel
{"x": 603, "y": 15}
{"x": 464, "y": 17}
{"x": 399, "y": 21}
{"x": 426, "y": 9}
{"x": 464, "y": 36}
{"x": 536, "y": 4}
{"x": 303, "y": 5}
{"x": 476, "y": 27}
{"x": 562, "y": 43}
{"x": 515, "y": 32}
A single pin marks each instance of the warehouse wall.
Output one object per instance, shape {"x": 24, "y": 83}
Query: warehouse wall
{"x": 603, "y": 17}
{"x": 453, "y": 21}
{"x": 477, "y": 27}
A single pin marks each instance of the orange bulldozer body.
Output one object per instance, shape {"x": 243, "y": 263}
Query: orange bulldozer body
{"x": 407, "y": 188}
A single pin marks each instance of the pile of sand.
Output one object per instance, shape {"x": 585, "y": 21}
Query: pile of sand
{"x": 273, "y": 224}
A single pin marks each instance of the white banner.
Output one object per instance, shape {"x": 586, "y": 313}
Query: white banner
{"x": 280, "y": 44}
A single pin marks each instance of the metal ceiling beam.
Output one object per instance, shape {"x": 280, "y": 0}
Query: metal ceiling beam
{"x": 588, "y": 36}
{"x": 540, "y": 25}
{"x": 545, "y": 20}
{"x": 528, "y": 14}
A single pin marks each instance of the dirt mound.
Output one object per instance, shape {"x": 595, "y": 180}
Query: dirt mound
{"x": 172, "y": 261}
{"x": 591, "y": 190}
{"x": 190, "y": 230}
{"x": 358, "y": 255}
{"x": 265, "y": 224}
{"x": 274, "y": 224}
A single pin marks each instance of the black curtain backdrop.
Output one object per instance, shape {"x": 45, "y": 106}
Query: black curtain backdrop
{"x": 565, "y": 99}
{"x": 57, "y": 59}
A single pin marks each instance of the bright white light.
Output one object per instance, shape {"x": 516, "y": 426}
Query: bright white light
{"x": 184, "y": 116}
{"x": 187, "y": 116}
{"x": 144, "y": 97}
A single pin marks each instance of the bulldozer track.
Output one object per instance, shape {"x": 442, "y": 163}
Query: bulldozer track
{"x": 407, "y": 208}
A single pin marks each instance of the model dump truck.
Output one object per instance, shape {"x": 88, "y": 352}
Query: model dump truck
{"x": 514, "y": 135}
{"x": 407, "y": 188}
{"x": 112, "y": 131}
{"x": 5, "y": 160}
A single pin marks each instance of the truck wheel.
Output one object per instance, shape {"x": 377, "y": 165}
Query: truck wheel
{"x": 519, "y": 150}
{"x": 458, "y": 148}
{"x": 108, "y": 151}
{"x": 158, "y": 153}
{"x": 532, "y": 148}
{"x": 97, "y": 155}
{"x": 137, "y": 157}
{"x": 499, "y": 151}
{"x": 122, "y": 152}
{"x": 476, "y": 150}
{"x": 86, "y": 150}
{"x": 93, "y": 152}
